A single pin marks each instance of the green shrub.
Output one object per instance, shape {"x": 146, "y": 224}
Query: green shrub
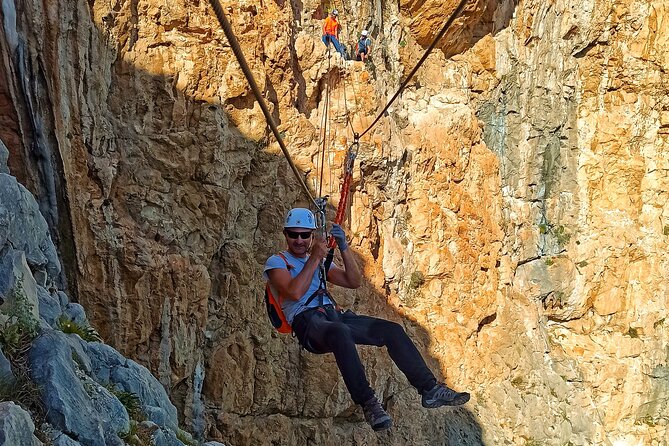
{"x": 22, "y": 390}
{"x": 417, "y": 280}
{"x": 561, "y": 235}
{"x": 85, "y": 332}
{"x": 16, "y": 335}
{"x": 633, "y": 333}
{"x": 186, "y": 438}
{"x": 21, "y": 327}
{"x": 131, "y": 402}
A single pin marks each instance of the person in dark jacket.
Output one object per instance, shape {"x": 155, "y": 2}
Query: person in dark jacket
{"x": 363, "y": 47}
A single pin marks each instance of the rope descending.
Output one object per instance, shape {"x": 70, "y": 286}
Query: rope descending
{"x": 237, "y": 50}
{"x": 447, "y": 25}
{"x": 320, "y": 203}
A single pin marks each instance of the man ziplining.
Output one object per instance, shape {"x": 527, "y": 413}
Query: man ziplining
{"x": 321, "y": 327}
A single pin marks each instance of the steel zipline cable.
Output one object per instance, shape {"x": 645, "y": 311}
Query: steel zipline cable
{"x": 234, "y": 44}
{"x": 236, "y": 49}
{"x": 436, "y": 40}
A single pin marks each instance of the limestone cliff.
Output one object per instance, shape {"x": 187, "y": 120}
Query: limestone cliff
{"x": 59, "y": 385}
{"x": 510, "y": 210}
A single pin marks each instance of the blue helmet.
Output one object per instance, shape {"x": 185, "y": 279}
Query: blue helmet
{"x": 300, "y": 218}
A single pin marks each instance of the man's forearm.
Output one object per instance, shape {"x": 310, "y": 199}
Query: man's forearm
{"x": 353, "y": 275}
{"x": 300, "y": 283}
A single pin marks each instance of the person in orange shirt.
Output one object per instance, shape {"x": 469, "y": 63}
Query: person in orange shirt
{"x": 331, "y": 33}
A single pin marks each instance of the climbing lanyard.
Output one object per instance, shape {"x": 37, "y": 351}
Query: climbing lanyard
{"x": 351, "y": 154}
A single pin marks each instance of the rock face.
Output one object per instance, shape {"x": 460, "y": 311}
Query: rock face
{"x": 4, "y": 155}
{"x": 78, "y": 406}
{"x": 510, "y": 210}
{"x": 16, "y": 427}
{"x": 50, "y": 360}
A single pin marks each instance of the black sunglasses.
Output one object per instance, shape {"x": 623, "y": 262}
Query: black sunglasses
{"x": 294, "y": 235}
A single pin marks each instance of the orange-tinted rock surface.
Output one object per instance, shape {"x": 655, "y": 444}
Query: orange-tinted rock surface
{"x": 510, "y": 210}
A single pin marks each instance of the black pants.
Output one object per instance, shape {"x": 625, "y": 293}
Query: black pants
{"x": 325, "y": 330}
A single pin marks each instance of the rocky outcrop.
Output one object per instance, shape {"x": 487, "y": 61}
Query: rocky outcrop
{"x": 510, "y": 210}
{"x": 23, "y": 228}
{"x": 80, "y": 407}
{"x": 16, "y": 427}
{"x": 4, "y": 155}
{"x": 86, "y": 392}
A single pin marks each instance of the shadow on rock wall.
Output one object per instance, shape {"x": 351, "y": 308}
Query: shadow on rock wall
{"x": 300, "y": 394}
{"x": 479, "y": 18}
{"x": 174, "y": 210}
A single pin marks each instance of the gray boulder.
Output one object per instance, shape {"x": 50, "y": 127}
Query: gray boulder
{"x": 16, "y": 426}
{"x": 4, "y": 156}
{"x": 76, "y": 313}
{"x": 80, "y": 353}
{"x": 62, "y": 297}
{"x": 110, "y": 411}
{"x": 64, "y": 440}
{"x": 57, "y": 437}
{"x": 110, "y": 367}
{"x": 213, "y": 443}
{"x": 41, "y": 276}
{"x": 49, "y": 306}
{"x": 74, "y": 403}
{"x": 165, "y": 437}
{"x": 24, "y": 228}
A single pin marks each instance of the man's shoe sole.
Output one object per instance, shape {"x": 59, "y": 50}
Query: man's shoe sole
{"x": 383, "y": 426}
{"x": 457, "y": 401}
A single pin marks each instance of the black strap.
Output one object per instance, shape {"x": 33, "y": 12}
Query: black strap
{"x": 329, "y": 259}
{"x": 320, "y": 293}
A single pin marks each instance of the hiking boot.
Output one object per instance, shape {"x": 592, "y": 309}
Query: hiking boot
{"x": 376, "y": 416}
{"x": 441, "y": 395}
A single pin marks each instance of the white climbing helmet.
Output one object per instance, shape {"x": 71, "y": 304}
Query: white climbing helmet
{"x": 300, "y": 218}
{"x": 334, "y": 12}
{"x": 364, "y": 32}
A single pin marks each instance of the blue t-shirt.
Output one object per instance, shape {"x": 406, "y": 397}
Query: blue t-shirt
{"x": 292, "y": 307}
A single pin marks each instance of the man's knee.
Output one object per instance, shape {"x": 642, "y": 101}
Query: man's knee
{"x": 392, "y": 330}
